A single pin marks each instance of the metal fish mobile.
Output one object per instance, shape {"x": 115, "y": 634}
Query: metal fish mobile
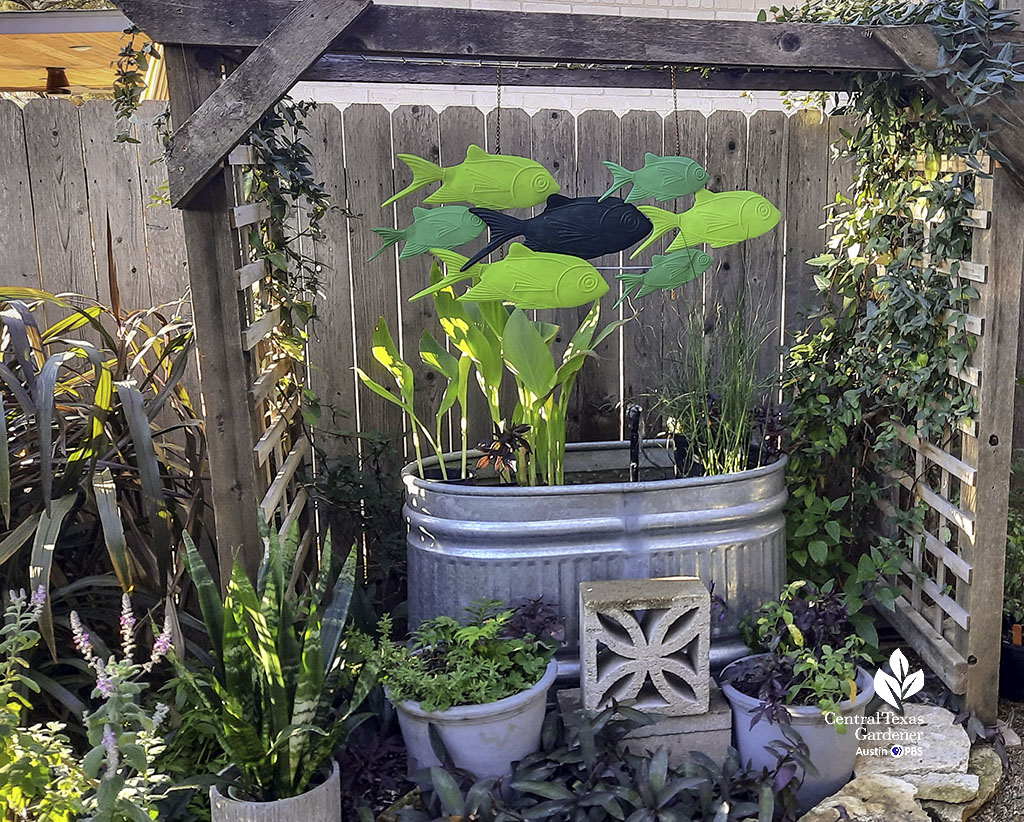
{"x": 548, "y": 269}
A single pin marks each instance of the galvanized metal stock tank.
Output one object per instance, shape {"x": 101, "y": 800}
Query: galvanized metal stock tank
{"x": 511, "y": 543}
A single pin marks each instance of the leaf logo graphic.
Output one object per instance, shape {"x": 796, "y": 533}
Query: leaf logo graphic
{"x": 901, "y": 684}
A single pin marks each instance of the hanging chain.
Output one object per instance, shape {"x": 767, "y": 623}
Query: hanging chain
{"x": 497, "y": 123}
{"x": 675, "y": 108}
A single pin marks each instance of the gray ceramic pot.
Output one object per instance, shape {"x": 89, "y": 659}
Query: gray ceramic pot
{"x": 320, "y": 804}
{"x": 833, "y": 753}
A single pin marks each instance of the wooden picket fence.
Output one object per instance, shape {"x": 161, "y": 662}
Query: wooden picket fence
{"x": 58, "y": 192}
{"x": 787, "y": 159}
{"x": 63, "y": 181}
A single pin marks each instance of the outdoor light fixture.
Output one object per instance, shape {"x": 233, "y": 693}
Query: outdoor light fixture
{"x": 57, "y": 81}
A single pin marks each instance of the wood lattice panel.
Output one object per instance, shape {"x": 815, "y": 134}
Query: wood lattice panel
{"x": 281, "y": 446}
{"x": 951, "y": 581}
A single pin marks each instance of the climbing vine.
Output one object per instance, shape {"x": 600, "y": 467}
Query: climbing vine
{"x": 877, "y": 350}
{"x": 282, "y": 177}
{"x": 133, "y": 61}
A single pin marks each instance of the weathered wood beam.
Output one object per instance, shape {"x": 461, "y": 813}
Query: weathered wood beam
{"x": 261, "y": 80}
{"x": 193, "y": 74}
{"x": 347, "y": 68}
{"x": 1002, "y": 117}
{"x": 583, "y": 38}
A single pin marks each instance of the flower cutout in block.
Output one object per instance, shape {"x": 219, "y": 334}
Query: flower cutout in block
{"x": 646, "y": 640}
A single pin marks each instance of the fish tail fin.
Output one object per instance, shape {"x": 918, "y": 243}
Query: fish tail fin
{"x": 503, "y": 228}
{"x": 424, "y": 173}
{"x": 620, "y": 176}
{"x": 629, "y": 282}
{"x": 454, "y": 262}
{"x": 663, "y": 222}
{"x": 390, "y": 236}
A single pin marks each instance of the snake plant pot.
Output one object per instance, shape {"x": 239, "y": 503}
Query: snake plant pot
{"x": 512, "y": 543}
{"x": 319, "y": 804}
{"x": 482, "y": 739}
{"x": 1011, "y": 672}
{"x": 832, "y": 753}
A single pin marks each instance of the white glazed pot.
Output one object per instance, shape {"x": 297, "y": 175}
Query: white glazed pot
{"x": 833, "y": 754}
{"x": 320, "y": 804}
{"x": 482, "y": 739}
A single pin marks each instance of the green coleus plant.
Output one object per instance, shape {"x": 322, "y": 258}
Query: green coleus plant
{"x": 284, "y": 686}
{"x": 449, "y": 663}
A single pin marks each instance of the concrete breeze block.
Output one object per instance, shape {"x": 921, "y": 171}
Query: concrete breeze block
{"x": 646, "y": 640}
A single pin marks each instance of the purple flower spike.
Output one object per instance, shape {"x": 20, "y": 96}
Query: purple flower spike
{"x": 110, "y": 743}
{"x": 162, "y": 644}
{"x": 80, "y": 637}
{"x": 127, "y": 627}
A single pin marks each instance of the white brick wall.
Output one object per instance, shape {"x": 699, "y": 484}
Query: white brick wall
{"x": 534, "y": 98}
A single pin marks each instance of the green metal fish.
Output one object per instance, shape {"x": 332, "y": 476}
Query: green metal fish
{"x": 717, "y": 219}
{"x": 496, "y": 181}
{"x": 667, "y": 272}
{"x": 528, "y": 279}
{"x": 447, "y": 227}
{"x": 663, "y": 178}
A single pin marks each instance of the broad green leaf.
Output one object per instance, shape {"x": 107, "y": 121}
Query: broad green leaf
{"x": 381, "y": 391}
{"x": 548, "y": 331}
{"x": 434, "y": 356}
{"x": 547, "y": 790}
{"x": 581, "y": 340}
{"x": 44, "y": 421}
{"x": 32, "y": 295}
{"x": 154, "y": 498}
{"x": 471, "y": 337}
{"x": 82, "y": 316}
{"x": 495, "y": 314}
{"x": 240, "y": 662}
{"x": 333, "y": 624}
{"x": 18, "y": 537}
{"x": 209, "y": 597}
{"x": 447, "y": 791}
{"x": 41, "y": 561}
{"x": 105, "y": 493}
{"x": 386, "y": 353}
{"x": 276, "y": 697}
{"x": 606, "y": 332}
{"x": 659, "y": 769}
{"x": 570, "y": 368}
{"x": 527, "y": 356}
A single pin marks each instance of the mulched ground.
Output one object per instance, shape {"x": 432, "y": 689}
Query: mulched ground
{"x": 1008, "y": 803}
{"x": 373, "y": 773}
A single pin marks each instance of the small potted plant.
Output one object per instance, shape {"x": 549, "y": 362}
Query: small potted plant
{"x": 283, "y": 685}
{"x": 803, "y": 676}
{"x": 1011, "y": 664}
{"x": 483, "y": 688}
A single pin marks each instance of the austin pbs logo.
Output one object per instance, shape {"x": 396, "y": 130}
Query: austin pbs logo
{"x": 899, "y": 686}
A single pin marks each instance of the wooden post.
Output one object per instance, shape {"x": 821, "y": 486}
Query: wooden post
{"x": 1003, "y": 246}
{"x": 193, "y": 73}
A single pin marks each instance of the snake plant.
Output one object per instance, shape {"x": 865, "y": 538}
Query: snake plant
{"x": 283, "y": 684}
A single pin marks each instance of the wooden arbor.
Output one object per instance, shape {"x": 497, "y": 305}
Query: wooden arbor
{"x": 227, "y": 63}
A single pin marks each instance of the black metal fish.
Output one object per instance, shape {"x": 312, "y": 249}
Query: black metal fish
{"x": 581, "y": 226}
